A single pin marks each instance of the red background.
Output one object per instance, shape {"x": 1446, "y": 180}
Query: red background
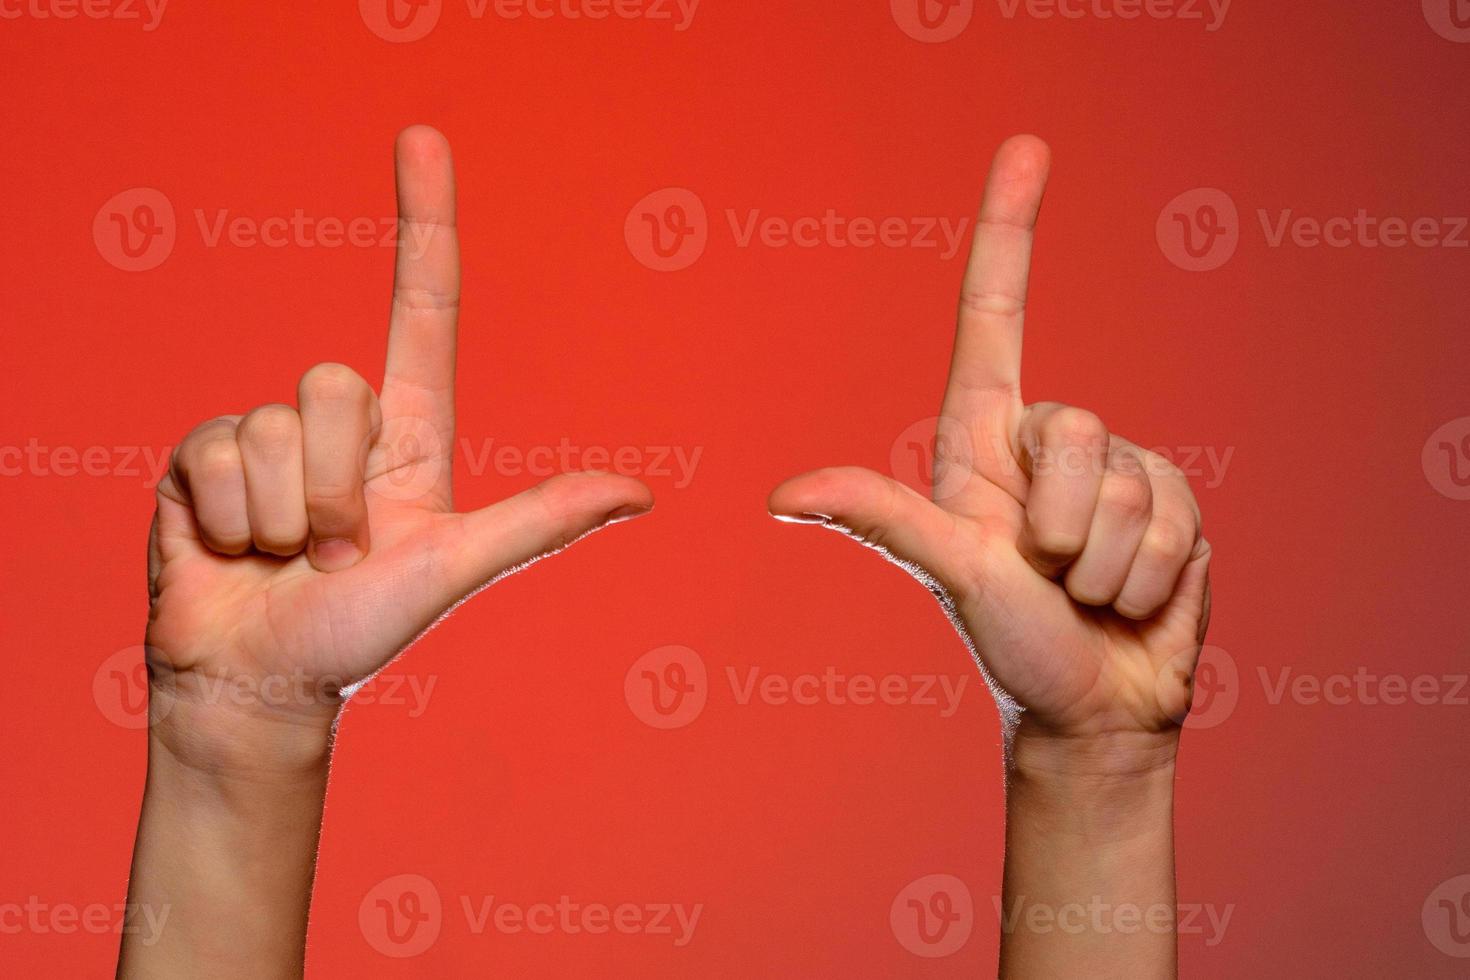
{"x": 1323, "y": 369}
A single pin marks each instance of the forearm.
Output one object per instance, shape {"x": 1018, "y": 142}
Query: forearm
{"x": 1089, "y": 873}
{"x": 227, "y": 852}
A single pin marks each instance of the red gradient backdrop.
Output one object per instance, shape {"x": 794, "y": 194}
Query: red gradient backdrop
{"x": 1312, "y": 377}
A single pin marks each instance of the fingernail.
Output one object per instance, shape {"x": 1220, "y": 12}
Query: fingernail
{"x": 626, "y": 513}
{"x": 334, "y": 554}
{"x": 802, "y": 518}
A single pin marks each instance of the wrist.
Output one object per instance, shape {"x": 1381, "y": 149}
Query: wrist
{"x": 1111, "y": 787}
{"x": 1089, "y": 843}
{"x": 1038, "y": 752}
{"x": 230, "y": 744}
{"x": 226, "y": 848}
{"x": 229, "y": 723}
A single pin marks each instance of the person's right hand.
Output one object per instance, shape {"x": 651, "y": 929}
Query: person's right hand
{"x": 296, "y": 551}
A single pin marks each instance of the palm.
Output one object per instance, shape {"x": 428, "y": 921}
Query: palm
{"x": 282, "y": 617}
{"x": 246, "y": 566}
{"x": 1072, "y": 557}
{"x": 1072, "y": 663}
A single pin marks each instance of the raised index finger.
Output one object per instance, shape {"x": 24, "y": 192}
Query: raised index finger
{"x": 985, "y": 373}
{"x": 418, "y": 381}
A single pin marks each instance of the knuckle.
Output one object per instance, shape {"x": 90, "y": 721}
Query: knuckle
{"x": 1180, "y": 498}
{"x": 1071, "y": 426}
{"x": 554, "y": 496}
{"x": 270, "y": 425}
{"x": 226, "y": 542}
{"x": 211, "y": 427}
{"x": 991, "y": 302}
{"x": 325, "y": 495}
{"x": 281, "y": 540}
{"x": 1056, "y": 544}
{"x": 422, "y": 299}
{"x": 1089, "y": 593}
{"x": 1167, "y": 540}
{"x": 1128, "y": 495}
{"x": 1132, "y": 607}
{"x": 202, "y": 433}
{"x": 332, "y": 381}
{"x": 333, "y": 505}
{"x": 214, "y": 458}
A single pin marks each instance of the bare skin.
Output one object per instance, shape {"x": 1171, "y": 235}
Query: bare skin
{"x": 1078, "y": 570}
{"x": 295, "y": 551}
